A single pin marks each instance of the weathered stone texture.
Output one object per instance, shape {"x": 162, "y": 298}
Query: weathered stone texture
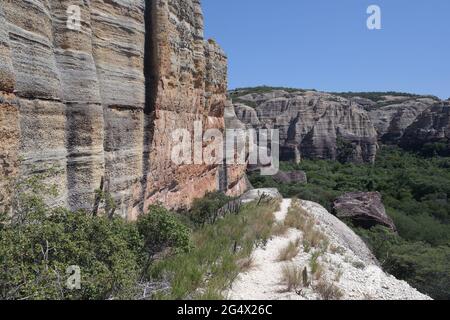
{"x": 432, "y": 128}
{"x": 103, "y": 101}
{"x": 365, "y": 209}
{"x": 392, "y": 118}
{"x": 313, "y": 125}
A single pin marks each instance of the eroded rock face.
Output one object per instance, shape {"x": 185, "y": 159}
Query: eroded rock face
{"x": 391, "y": 117}
{"x": 365, "y": 209}
{"x": 104, "y": 100}
{"x": 430, "y": 133}
{"x": 312, "y": 124}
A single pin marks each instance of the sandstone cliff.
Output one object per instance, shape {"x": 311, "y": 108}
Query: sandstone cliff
{"x": 312, "y": 124}
{"x": 344, "y": 126}
{"x": 430, "y": 133}
{"x": 102, "y": 101}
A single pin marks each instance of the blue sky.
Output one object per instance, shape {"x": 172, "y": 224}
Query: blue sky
{"x": 325, "y": 44}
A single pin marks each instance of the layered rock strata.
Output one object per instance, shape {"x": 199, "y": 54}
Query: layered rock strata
{"x": 430, "y": 133}
{"x": 99, "y": 102}
{"x": 312, "y": 124}
{"x": 345, "y": 127}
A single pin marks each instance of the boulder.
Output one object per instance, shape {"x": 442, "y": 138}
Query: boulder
{"x": 365, "y": 209}
{"x": 256, "y": 194}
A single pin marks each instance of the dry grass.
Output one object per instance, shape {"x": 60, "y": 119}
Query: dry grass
{"x": 319, "y": 272}
{"x": 280, "y": 229}
{"x": 246, "y": 264}
{"x": 298, "y": 218}
{"x": 290, "y": 251}
{"x": 291, "y": 277}
{"x": 338, "y": 275}
{"x": 328, "y": 291}
{"x": 316, "y": 239}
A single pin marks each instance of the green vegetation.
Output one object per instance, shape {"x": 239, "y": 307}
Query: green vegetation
{"x": 221, "y": 251}
{"x": 416, "y": 193}
{"x": 379, "y": 96}
{"x": 203, "y": 210}
{"x": 183, "y": 256}
{"x": 38, "y": 244}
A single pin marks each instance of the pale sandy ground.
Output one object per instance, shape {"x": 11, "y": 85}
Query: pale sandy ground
{"x": 361, "y": 277}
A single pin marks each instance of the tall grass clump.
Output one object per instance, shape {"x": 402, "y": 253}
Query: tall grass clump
{"x": 290, "y": 251}
{"x": 291, "y": 277}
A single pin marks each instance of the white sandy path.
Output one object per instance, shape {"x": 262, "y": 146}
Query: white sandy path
{"x": 263, "y": 281}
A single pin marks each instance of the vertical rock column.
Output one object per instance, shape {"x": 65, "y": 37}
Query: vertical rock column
{"x": 190, "y": 85}
{"x": 42, "y": 115}
{"x": 118, "y": 29}
{"x": 80, "y": 93}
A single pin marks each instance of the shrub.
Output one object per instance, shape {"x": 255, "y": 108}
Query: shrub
{"x": 36, "y": 253}
{"x": 358, "y": 265}
{"x": 203, "y": 210}
{"x": 219, "y": 252}
{"x": 162, "y": 233}
{"x": 314, "y": 262}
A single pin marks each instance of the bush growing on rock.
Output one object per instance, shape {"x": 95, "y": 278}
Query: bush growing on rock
{"x": 203, "y": 210}
{"x": 162, "y": 233}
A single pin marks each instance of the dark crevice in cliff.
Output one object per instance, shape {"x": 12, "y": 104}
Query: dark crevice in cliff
{"x": 150, "y": 63}
{"x": 151, "y": 86}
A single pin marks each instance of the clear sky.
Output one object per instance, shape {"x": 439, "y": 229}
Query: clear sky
{"x": 326, "y": 45}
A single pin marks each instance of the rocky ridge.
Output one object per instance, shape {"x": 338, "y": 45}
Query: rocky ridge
{"x": 351, "y": 268}
{"x": 345, "y": 127}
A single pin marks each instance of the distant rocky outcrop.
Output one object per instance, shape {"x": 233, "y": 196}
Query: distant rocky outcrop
{"x": 312, "y": 124}
{"x": 364, "y": 209}
{"x": 392, "y": 115}
{"x": 103, "y": 101}
{"x": 430, "y": 133}
{"x": 341, "y": 126}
